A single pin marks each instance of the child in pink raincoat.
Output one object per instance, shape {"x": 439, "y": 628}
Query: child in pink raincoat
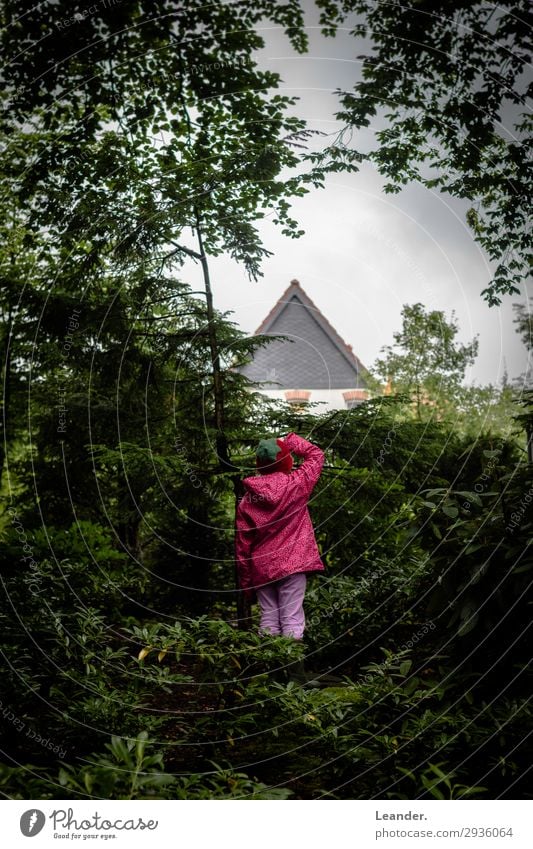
{"x": 275, "y": 544}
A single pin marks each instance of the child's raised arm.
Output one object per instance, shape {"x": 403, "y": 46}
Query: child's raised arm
{"x": 313, "y": 460}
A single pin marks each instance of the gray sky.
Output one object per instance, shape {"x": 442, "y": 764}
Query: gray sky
{"x": 364, "y": 253}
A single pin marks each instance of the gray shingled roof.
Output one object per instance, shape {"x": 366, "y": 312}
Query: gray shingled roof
{"x": 315, "y": 358}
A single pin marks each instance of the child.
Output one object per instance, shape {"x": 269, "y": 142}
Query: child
{"x": 275, "y": 543}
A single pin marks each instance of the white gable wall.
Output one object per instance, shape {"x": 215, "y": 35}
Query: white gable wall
{"x": 332, "y": 399}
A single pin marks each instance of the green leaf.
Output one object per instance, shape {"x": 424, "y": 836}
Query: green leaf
{"x": 471, "y": 548}
{"x": 525, "y": 567}
{"x": 438, "y": 771}
{"x": 469, "y": 619}
{"x": 405, "y": 666}
{"x": 471, "y": 496}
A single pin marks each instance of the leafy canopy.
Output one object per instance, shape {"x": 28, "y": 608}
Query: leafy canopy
{"x": 446, "y": 86}
{"x": 426, "y": 358}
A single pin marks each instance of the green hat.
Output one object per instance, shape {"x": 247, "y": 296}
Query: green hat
{"x": 267, "y": 450}
{"x": 272, "y": 455}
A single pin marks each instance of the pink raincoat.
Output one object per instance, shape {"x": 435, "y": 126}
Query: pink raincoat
{"x": 274, "y": 536}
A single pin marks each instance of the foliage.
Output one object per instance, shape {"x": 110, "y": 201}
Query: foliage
{"x": 426, "y": 359}
{"x": 484, "y": 556}
{"x": 487, "y": 408}
{"x": 441, "y": 85}
{"x": 127, "y": 771}
{"x": 439, "y": 783}
{"x": 524, "y": 321}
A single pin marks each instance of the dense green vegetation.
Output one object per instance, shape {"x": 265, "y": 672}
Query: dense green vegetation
{"x": 423, "y": 612}
{"x": 131, "y": 666}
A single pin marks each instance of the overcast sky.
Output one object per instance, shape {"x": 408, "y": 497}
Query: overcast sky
{"x": 365, "y": 253}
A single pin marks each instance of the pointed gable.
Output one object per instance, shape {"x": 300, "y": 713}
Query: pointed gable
{"x": 313, "y": 357}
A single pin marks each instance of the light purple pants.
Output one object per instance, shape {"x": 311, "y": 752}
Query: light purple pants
{"x": 281, "y": 604}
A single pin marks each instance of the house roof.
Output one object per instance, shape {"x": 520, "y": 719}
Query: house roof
{"x": 305, "y": 352}
{"x": 295, "y": 290}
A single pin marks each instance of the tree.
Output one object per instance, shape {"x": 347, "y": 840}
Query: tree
{"x": 16, "y": 267}
{"x": 447, "y": 86}
{"x": 426, "y": 360}
{"x": 489, "y": 408}
{"x": 524, "y": 323}
{"x": 146, "y": 74}
{"x": 152, "y": 139}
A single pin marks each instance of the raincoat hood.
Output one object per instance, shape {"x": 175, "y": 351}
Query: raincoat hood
{"x": 267, "y": 489}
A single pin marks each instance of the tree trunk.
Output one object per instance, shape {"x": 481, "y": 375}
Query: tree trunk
{"x": 218, "y": 388}
{"x": 243, "y": 605}
{"x": 6, "y": 390}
